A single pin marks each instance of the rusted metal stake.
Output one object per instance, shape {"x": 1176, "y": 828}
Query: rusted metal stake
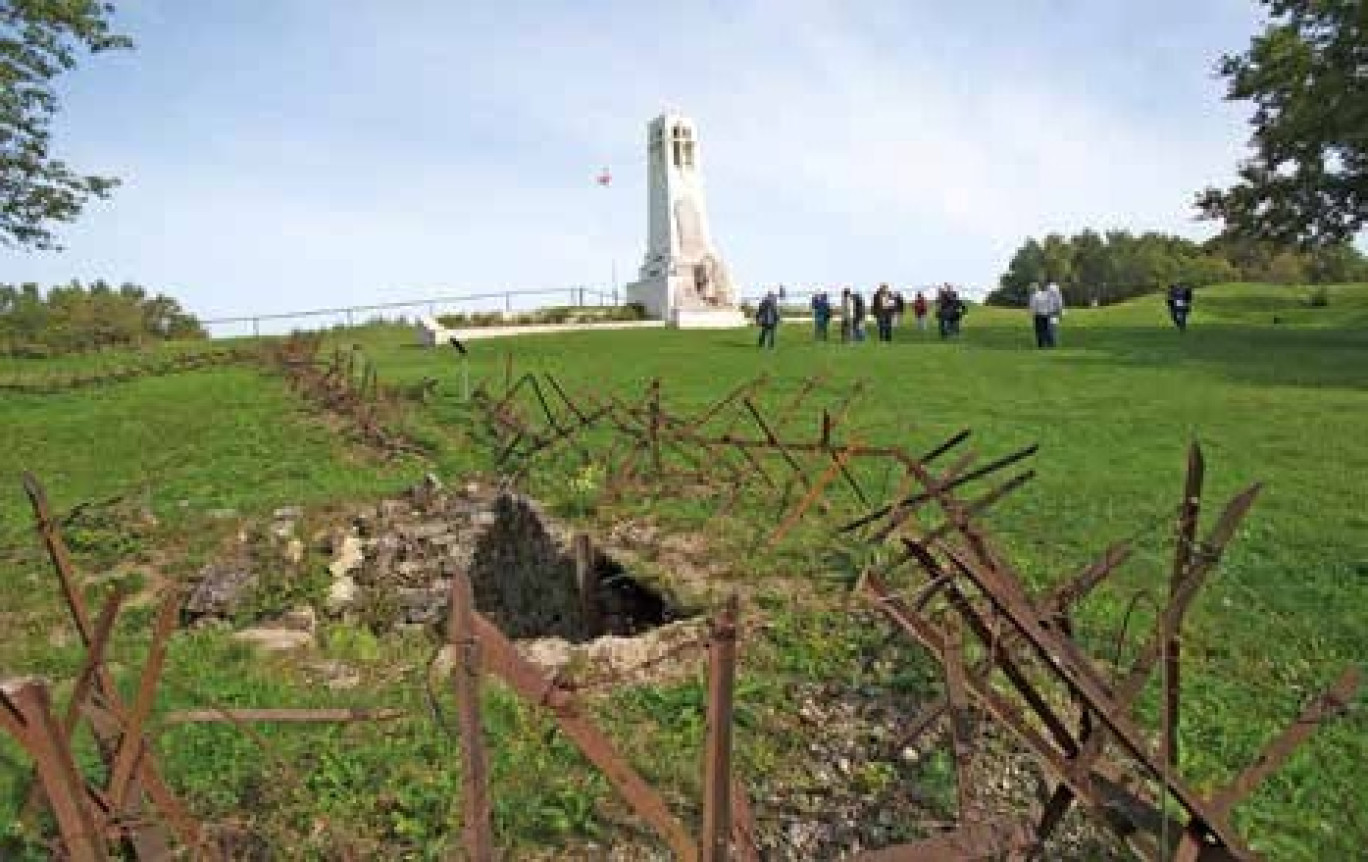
{"x": 131, "y": 748}
{"x": 1329, "y": 704}
{"x": 1067, "y": 663}
{"x": 81, "y": 834}
{"x": 586, "y": 581}
{"x": 743, "y": 825}
{"x": 814, "y": 491}
{"x": 653, "y": 408}
{"x": 104, "y": 628}
{"x": 284, "y": 715}
{"x": 1182, "y": 560}
{"x": 500, "y": 657}
{"x": 477, "y": 813}
{"x": 716, "y": 840}
{"x": 151, "y": 841}
{"x": 960, "y": 730}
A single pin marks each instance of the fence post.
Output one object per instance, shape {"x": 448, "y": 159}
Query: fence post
{"x": 1184, "y": 552}
{"x": 78, "y": 825}
{"x": 476, "y": 810}
{"x": 586, "y": 579}
{"x": 256, "y": 327}
{"x": 716, "y": 843}
{"x": 508, "y": 303}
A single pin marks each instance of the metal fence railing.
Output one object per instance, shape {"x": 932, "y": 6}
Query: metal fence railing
{"x": 506, "y": 301}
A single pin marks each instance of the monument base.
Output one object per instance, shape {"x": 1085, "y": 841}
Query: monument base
{"x": 708, "y": 318}
{"x": 655, "y": 293}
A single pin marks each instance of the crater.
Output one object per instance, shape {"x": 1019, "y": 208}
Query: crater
{"x": 535, "y": 584}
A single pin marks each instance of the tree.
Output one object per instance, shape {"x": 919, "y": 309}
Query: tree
{"x": 1089, "y": 268}
{"x": 1307, "y": 180}
{"x": 1207, "y": 269}
{"x": 1287, "y": 268}
{"x": 40, "y": 39}
{"x": 73, "y": 318}
{"x": 1058, "y": 258}
{"x": 1026, "y": 267}
{"x": 1337, "y": 264}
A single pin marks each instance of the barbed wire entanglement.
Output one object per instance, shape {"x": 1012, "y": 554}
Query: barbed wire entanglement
{"x": 911, "y": 524}
{"x": 348, "y": 384}
{"x": 1005, "y": 653}
{"x": 1074, "y": 714}
{"x": 125, "y": 369}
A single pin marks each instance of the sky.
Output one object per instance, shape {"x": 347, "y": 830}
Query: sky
{"x": 290, "y": 154}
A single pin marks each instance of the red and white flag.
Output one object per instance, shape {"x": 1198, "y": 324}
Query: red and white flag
{"x": 604, "y": 178}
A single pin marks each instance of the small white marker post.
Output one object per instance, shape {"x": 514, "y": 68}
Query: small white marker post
{"x": 465, "y": 367}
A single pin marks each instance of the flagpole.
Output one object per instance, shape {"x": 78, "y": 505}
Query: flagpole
{"x": 605, "y": 179}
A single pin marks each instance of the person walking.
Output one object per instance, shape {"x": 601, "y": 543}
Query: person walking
{"x": 950, "y": 309}
{"x": 821, "y": 315}
{"x": 767, "y": 316}
{"x": 1041, "y": 308}
{"x": 857, "y": 301}
{"x": 919, "y": 310}
{"x": 884, "y": 309}
{"x": 899, "y": 308}
{"x": 847, "y": 315}
{"x": 1180, "y": 305}
{"x": 1056, "y": 311}
{"x": 958, "y": 309}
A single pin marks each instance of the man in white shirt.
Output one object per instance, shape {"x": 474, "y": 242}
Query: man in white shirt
{"x": 1041, "y": 307}
{"x": 1056, "y": 311}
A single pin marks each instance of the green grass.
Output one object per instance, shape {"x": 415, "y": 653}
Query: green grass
{"x": 1113, "y": 410}
{"x": 219, "y": 438}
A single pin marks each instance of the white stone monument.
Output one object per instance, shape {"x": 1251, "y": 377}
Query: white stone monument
{"x": 683, "y": 280}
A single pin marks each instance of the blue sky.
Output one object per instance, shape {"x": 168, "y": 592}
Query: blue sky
{"x": 285, "y": 154}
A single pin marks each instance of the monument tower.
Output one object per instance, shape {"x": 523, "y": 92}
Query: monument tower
{"x": 683, "y": 279}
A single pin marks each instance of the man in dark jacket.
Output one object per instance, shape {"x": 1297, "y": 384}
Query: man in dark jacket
{"x": 884, "y": 309}
{"x": 821, "y": 315}
{"x": 949, "y": 311}
{"x": 1180, "y": 305}
{"x": 767, "y": 316}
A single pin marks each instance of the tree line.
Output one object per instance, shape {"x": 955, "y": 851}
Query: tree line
{"x": 73, "y": 318}
{"x": 1104, "y": 268}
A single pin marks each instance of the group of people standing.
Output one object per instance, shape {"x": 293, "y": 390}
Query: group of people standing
{"x": 886, "y": 306}
{"x": 1045, "y": 306}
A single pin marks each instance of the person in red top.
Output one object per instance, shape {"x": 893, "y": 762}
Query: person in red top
{"x": 919, "y": 310}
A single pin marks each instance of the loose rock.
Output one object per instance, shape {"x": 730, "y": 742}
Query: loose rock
{"x": 342, "y": 595}
{"x": 220, "y": 589}
{"x": 275, "y": 639}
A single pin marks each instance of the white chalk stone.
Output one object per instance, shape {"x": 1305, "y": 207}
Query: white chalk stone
{"x": 342, "y": 594}
{"x": 433, "y": 334}
{"x": 350, "y": 555}
{"x": 275, "y": 640}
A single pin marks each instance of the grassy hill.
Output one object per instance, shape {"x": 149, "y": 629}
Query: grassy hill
{"x": 1275, "y": 391}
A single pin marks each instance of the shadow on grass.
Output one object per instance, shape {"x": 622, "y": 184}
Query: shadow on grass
{"x": 1273, "y": 355}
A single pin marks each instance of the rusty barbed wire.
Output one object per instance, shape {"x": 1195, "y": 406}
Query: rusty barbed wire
{"x": 59, "y": 381}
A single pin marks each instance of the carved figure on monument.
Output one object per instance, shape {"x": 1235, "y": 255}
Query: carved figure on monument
{"x": 683, "y": 279}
